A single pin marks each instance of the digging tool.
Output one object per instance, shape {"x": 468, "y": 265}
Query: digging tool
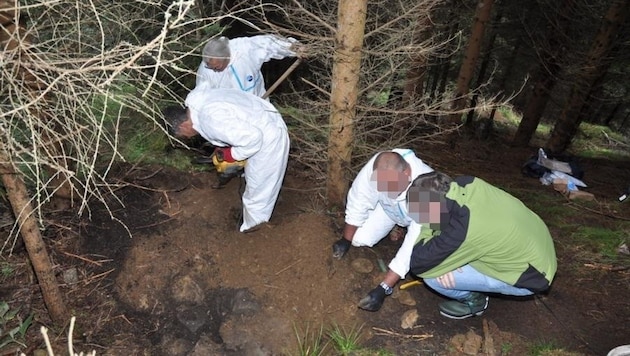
{"x": 410, "y": 284}
{"x": 282, "y": 78}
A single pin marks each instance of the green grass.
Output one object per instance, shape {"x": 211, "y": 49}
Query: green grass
{"x": 547, "y": 203}
{"x": 310, "y": 342}
{"x": 336, "y": 341}
{"x": 548, "y": 348}
{"x": 345, "y": 341}
{"x": 12, "y": 327}
{"x": 603, "y": 240}
{"x": 6, "y": 270}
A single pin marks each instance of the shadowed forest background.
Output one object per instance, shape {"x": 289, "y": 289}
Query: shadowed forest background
{"x": 83, "y": 85}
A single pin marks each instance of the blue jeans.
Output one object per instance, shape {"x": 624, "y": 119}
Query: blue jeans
{"x": 469, "y": 279}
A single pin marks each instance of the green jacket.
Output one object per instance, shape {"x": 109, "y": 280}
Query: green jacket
{"x": 493, "y": 232}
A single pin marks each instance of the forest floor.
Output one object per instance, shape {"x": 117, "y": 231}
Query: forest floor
{"x": 188, "y": 283}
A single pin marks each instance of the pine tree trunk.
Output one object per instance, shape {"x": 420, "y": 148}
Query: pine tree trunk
{"x": 444, "y": 66}
{"x": 417, "y": 74}
{"x": 13, "y": 38}
{"x": 20, "y": 202}
{"x": 466, "y": 71}
{"x": 567, "y": 125}
{"x": 345, "y": 79}
{"x": 489, "y": 47}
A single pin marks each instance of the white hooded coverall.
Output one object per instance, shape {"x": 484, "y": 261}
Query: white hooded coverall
{"x": 247, "y": 55}
{"x": 256, "y": 132}
{"x": 376, "y": 214}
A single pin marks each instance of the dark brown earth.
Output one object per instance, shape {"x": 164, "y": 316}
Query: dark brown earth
{"x": 187, "y": 283}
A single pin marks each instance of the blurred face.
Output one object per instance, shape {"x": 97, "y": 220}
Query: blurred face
{"x": 186, "y": 128}
{"x": 391, "y": 182}
{"x": 217, "y": 64}
{"x": 426, "y": 207}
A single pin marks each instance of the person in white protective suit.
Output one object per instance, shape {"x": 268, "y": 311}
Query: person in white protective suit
{"x": 243, "y": 127}
{"x": 236, "y": 63}
{"x": 376, "y": 204}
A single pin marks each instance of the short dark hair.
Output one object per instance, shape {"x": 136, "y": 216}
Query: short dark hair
{"x": 174, "y": 116}
{"x": 436, "y": 182}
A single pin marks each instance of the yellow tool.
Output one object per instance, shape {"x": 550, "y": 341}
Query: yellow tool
{"x": 410, "y": 284}
{"x": 226, "y": 170}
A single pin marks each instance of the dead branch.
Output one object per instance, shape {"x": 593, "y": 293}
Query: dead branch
{"x": 384, "y": 332}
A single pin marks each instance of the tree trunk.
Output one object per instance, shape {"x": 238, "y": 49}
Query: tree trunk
{"x": 466, "y": 71}
{"x": 20, "y": 202}
{"x": 545, "y": 78}
{"x": 416, "y": 76}
{"x": 444, "y": 66}
{"x": 15, "y": 37}
{"x": 609, "y": 118}
{"x": 567, "y": 125}
{"x": 484, "y": 67}
{"x": 345, "y": 79}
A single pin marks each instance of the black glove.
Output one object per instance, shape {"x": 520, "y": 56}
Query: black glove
{"x": 340, "y": 247}
{"x": 374, "y": 300}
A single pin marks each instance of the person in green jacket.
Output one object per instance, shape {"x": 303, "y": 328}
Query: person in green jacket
{"x": 477, "y": 239}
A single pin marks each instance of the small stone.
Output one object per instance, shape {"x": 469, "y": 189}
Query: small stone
{"x": 192, "y": 318}
{"x": 473, "y": 342}
{"x": 244, "y": 303}
{"x": 70, "y": 276}
{"x": 362, "y": 265}
{"x": 405, "y": 298}
{"x": 186, "y": 289}
{"x": 409, "y": 319}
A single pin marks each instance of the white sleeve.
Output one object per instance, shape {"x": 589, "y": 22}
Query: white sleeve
{"x": 263, "y": 48}
{"x": 362, "y": 197}
{"x": 400, "y": 263}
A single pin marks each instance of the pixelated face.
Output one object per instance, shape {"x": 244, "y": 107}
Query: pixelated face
{"x": 391, "y": 182}
{"x": 217, "y": 64}
{"x": 425, "y": 207}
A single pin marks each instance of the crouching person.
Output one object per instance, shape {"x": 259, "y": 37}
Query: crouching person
{"x": 243, "y": 127}
{"x": 477, "y": 239}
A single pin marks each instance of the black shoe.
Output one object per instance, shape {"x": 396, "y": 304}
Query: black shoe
{"x": 340, "y": 247}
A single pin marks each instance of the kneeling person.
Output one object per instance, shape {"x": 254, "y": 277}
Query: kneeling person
{"x": 477, "y": 239}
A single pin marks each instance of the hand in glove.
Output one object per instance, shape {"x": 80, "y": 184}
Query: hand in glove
{"x": 224, "y": 154}
{"x": 340, "y": 247}
{"x": 374, "y": 300}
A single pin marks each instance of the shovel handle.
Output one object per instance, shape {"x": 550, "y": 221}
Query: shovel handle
{"x": 282, "y": 78}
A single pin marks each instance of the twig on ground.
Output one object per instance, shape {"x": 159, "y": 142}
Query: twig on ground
{"x": 150, "y": 175}
{"x": 98, "y": 276}
{"x": 383, "y": 332}
{"x": 82, "y": 258}
{"x": 128, "y": 184}
{"x": 578, "y": 206}
{"x": 289, "y": 266}
{"x": 607, "y": 267}
{"x": 159, "y": 222}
